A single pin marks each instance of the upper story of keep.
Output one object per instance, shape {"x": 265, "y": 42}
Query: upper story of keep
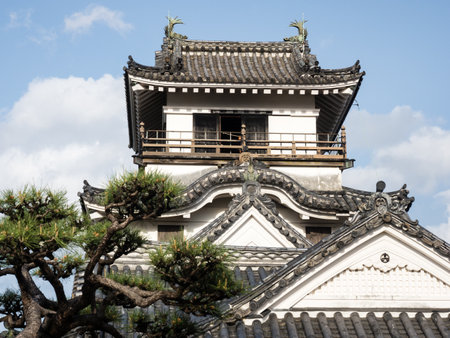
{"x": 206, "y": 103}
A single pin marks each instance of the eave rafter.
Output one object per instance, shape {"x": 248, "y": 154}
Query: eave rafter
{"x": 341, "y": 88}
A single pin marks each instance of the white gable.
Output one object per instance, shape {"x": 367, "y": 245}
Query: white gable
{"x": 253, "y": 229}
{"x": 371, "y": 286}
{"x": 386, "y": 269}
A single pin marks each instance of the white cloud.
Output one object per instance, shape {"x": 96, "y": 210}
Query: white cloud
{"x": 81, "y": 22}
{"x": 403, "y": 148}
{"x": 373, "y": 131}
{"x": 41, "y": 35}
{"x": 422, "y": 160}
{"x": 64, "y": 130}
{"x": 35, "y": 33}
{"x": 20, "y": 19}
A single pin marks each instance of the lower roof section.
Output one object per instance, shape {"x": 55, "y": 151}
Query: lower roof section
{"x": 305, "y": 324}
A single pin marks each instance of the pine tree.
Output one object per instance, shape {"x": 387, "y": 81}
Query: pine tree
{"x": 43, "y": 236}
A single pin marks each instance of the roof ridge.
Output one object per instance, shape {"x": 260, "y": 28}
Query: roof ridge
{"x": 239, "y": 42}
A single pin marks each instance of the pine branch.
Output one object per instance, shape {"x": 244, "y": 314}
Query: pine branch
{"x": 137, "y": 296}
{"x": 6, "y": 271}
{"x": 53, "y": 280}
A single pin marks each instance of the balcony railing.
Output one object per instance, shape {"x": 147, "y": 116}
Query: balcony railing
{"x": 228, "y": 145}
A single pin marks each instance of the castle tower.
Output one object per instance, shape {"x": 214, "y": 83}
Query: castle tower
{"x": 254, "y": 130}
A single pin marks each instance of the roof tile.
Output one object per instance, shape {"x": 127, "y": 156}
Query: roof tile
{"x": 239, "y": 62}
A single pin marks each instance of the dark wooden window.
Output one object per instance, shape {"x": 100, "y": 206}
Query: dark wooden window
{"x": 205, "y": 127}
{"x": 230, "y": 132}
{"x": 316, "y": 234}
{"x": 227, "y": 127}
{"x": 168, "y": 232}
{"x": 256, "y": 130}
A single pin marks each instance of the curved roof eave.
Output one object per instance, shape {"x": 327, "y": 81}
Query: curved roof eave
{"x": 216, "y": 182}
{"x": 181, "y": 84}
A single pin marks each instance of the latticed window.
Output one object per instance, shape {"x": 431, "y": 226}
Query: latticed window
{"x": 168, "y": 232}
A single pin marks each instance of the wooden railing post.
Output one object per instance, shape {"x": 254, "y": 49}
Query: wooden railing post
{"x": 244, "y": 138}
{"x": 142, "y": 134}
{"x": 344, "y": 142}
{"x": 142, "y": 130}
{"x": 218, "y": 141}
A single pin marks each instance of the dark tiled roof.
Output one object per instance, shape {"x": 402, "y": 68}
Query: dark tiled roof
{"x": 263, "y": 256}
{"x": 274, "y": 63}
{"x": 90, "y": 194}
{"x": 346, "y": 200}
{"x": 252, "y": 197}
{"x": 304, "y": 325}
{"x": 253, "y": 276}
{"x": 334, "y": 201}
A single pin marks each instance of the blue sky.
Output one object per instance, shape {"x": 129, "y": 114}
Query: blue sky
{"x": 62, "y": 103}
{"x": 62, "y": 108}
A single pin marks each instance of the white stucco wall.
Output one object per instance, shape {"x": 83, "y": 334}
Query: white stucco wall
{"x": 179, "y": 125}
{"x": 292, "y": 128}
{"x": 192, "y": 223}
{"x": 184, "y": 174}
{"x": 325, "y": 179}
{"x": 254, "y": 230}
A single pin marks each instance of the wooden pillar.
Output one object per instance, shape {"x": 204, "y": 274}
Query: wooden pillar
{"x": 344, "y": 142}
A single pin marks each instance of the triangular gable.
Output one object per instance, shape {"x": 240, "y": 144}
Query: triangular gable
{"x": 252, "y": 219}
{"x": 381, "y": 252}
{"x": 384, "y": 270}
{"x": 252, "y": 229}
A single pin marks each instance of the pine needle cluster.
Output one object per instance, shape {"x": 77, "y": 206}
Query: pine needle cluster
{"x": 201, "y": 270}
{"x": 141, "y": 194}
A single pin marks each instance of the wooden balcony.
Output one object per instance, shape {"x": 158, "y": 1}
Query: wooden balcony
{"x": 211, "y": 147}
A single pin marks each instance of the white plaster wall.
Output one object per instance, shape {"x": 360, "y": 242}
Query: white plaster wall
{"x": 296, "y": 126}
{"x": 201, "y": 218}
{"x": 294, "y": 219}
{"x": 178, "y": 121}
{"x": 185, "y": 174}
{"x": 179, "y": 127}
{"x": 303, "y": 122}
{"x": 254, "y": 230}
{"x": 192, "y": 223}
{"x": 291, "y": 217}
{"x": 325, "y": 179}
